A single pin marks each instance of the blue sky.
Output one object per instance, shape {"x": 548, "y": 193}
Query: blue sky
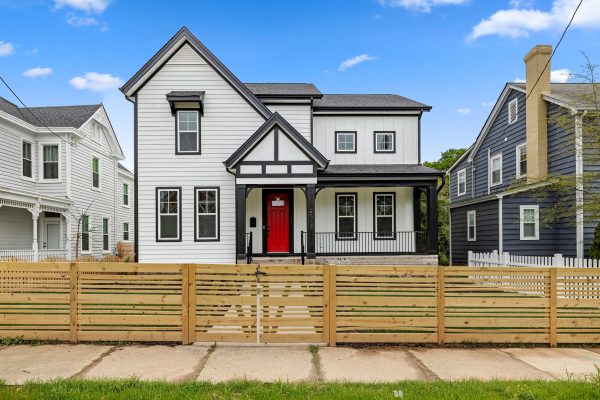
{"x": 455, "y": 55}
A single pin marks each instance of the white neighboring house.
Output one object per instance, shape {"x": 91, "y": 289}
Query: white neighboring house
{"x": 227, "y": 171}
{"x": 50, "y": 177}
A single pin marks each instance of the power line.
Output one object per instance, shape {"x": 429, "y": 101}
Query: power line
{"x": 30, "y": 112}
{"x": 555, "y": 48}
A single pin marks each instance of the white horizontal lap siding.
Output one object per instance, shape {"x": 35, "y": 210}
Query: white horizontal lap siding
{"x": 407, "y": 138}
{"x": 126, "y": 214}
{"x": 227, "y": 122}
{"x": 298, "y": 115}
{"x": 16, "y": 228}
{"x": 10, "y": 158}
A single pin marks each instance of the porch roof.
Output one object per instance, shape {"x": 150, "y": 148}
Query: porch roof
{"x": 380, "y": 170}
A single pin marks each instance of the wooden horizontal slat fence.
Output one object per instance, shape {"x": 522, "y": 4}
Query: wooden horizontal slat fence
{"x": 302, "y": 304}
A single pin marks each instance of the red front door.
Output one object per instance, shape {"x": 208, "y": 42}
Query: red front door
{"x": 278, "y": 223}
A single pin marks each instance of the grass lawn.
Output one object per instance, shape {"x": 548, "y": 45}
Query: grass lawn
{"x": 464, "y": 390}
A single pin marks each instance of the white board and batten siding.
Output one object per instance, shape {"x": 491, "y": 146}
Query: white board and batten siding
{"x": 298, "y": 115}
{"x": 227, "y": 122}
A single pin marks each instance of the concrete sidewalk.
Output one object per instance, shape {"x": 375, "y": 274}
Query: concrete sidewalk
{"x": 219, "y": 363}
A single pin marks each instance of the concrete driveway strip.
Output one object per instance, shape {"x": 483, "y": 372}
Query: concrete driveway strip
{"x": 265, "y": 364}
{"x": 19, "y": 364}
{"x": 162, "y": 363}
{"x": 368, "y": 365}
{"x": 560, "y": 363}
{"x": 482, "y": 364}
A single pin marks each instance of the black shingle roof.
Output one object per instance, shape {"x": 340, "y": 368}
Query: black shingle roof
{"x": 378, "y": 169}
{"x": 576, "y": 95}
{"x": 366, "y": 101}
{"x": 59, "y": 116}
{"x": 283, "y": 89}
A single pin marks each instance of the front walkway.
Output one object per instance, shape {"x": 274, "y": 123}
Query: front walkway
{"x": 22, "y": 363}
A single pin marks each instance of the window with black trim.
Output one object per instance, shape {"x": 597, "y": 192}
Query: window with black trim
{"x": 346, "y": 226}
{"x": 85, "y": 234}
{"x": 385, "y": 215}
{"x": 96, "y": 172}
{"x": 385, "y": 142}
{"x": 188, "y": 132}
{"x": 125, "y": 230}
{"x": 27, "y": 157}
{"x": 168, "y": 214}
{"x": 345, "y": 142}
{"x": 207, "y": 214}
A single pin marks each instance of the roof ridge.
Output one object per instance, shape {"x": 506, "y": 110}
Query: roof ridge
{"x": 73, "y": 105}
{"x": 279, "y": 83}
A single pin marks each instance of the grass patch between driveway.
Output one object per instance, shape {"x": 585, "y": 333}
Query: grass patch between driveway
{"x": 464, "y": 390}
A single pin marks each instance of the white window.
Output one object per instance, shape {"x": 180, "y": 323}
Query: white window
{"x": 85, "y": 234}
{"x": 27, "y": 159}
{"x": 105, "y": 235}
{"x": 513, "y": 111}
{"x": 461, "y": 179}
{"x": 346, "y": 215}
{"x": 188, "y": 134}
{"x": 384, "y": 142}
{"x": 207, "y": 214}
{"x": 125, "y": 230}
{"x": 345, "y": 142}
{"x": 97, "y": 133}
{"x": 471, "y": 226}
{"x": 496, "y": 170}
{"x": 385, "y": 215}
{"x": 50, "y": 162}
{"x": 530, "y": 222}
{"x": 169, "y": 204}
{"x": 126, "y": 194}
{"x": 96, "y": 172}
{"x": 522, "y": 160}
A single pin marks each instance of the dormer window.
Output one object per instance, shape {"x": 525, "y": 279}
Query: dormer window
{"x": 187, "y": 107}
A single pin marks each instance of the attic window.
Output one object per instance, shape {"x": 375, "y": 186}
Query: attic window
{"x": 513, "y": 111}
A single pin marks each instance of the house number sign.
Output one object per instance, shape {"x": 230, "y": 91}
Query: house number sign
{"x": 277, "y": 203}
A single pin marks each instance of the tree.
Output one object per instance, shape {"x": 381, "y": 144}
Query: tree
{"x": 78, "y": 217}
{"x": 447, "y": 159}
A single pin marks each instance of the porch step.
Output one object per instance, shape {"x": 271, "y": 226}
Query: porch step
{"x": 276, "y": 260}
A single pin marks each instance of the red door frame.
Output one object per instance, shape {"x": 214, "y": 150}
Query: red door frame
{"x": 290, "y": 193}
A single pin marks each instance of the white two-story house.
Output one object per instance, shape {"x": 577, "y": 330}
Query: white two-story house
{"x": 60, "y": 181}
{"x": 228, "y": 171}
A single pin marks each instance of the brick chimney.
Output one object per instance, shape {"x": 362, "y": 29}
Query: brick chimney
{"x": 536, "y": 112}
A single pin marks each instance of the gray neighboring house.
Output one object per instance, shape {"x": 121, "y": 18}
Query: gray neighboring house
{"x": 56, "y": 163}
{"x": 521, "y": 142}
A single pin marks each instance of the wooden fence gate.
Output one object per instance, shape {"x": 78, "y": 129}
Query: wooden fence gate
{"x": 259, "y": 304}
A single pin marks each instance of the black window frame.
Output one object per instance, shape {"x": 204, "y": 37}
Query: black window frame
{"x": 337, "y": 216}
{"x": 199, "y": 135}
{"x": 375, "y": 216}
{"x": 354, "y": 134}
{"x": 218, "y": 213}
{"x": 393, "y": 150}
{"x": 157, "y": 216}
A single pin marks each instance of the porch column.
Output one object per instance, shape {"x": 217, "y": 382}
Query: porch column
{"x": 310, "y": 221}
{"x": 35, "y": 214}
{"x": 432, "y": 218}
{"x": 240, "y": 221}
{"x": 417, "y": 208}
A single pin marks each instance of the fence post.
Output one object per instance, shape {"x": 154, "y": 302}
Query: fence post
{"x": 441, "y": 304}
{"x": 185, "y": 304}
{"x": 505, "y": 259}
{"x": 192, "y": 303}
{"x": 326, "y": 299}
{"x": 470, "y": 258}
{"x": 553, "y": 307}
{"x": 73, "y": 302}
{"x": 332, "y": 304}
{"x": 558, "y": 260}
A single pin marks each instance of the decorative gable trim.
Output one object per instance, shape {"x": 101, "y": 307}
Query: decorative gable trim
{"x": 101, "y": 117}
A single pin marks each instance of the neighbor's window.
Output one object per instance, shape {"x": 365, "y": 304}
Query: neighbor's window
{"x": 126, "y": 194}
{"x": 471, "y": 226}
{"x": 26, "y": 155}
{"x": 125, "y": 230}
{"x": 496, "y": 169}
{"x": 461, "y": 179}
{"x": 346, "y": 215}
{"x": 85, "y": 233}
{"x": 188, "y": 138}
{"x": 513, "y": 111}
{"x": 530, "y": 222}
{"x": 345, "y": 142}
{"x": 96, "y": 172}
{"x": 105, "y": 235}
{"x": 168, "y": 214}
{"x": 384, "y": 215}
{"x": 522, "y": 160}
{"x": 207, "y": 218}
{"x": 384, "y": 142}
{"x": 50, "y": 161}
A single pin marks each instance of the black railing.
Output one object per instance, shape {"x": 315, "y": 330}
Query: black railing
{"x": 368, "y": 243}
{"x": 249, "y": 248}
{"x": 302, "y": 246}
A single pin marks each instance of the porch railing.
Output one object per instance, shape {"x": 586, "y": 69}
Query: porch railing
{"x": 30, "y": 255}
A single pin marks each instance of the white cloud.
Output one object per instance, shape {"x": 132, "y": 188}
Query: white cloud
{"x": 560, "y": 75}
{"x": 487, "y": 103}
{"x": 521, "y": 22}
{"x": 96, "y": 82}
{"x": 88, "y": 6}
{"x": 37, "y": 71}
{"x": 421, "y": 5}
{"x": 351, "y": 62}
{"x": 6, "y": 48}
{"x": 464, "y": 111}
{"x": 82, "y": 21}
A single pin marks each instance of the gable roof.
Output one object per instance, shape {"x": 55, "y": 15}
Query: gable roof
{"x": 284, "y": 89}
{"x": 182, "y": 37}
{"x": 578, "y": 96}
{"x": 368, "y": 101}
{"x": 55, "y": 116}
{"x": 277, "y": 120}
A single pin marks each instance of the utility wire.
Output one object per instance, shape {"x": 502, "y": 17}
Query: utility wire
{"x": 555, "y": 48}
{"x": 31, "y": 112}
